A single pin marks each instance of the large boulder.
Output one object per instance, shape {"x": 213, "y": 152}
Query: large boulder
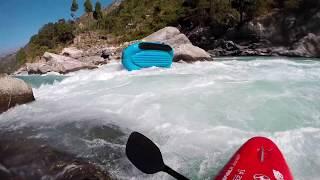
{"x": 13, "y": 91}
{"x": 183, "y": 48}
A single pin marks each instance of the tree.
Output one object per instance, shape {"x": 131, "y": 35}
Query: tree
{"x": 222, "y": 14}
{"x": 88, "y": 6}
{"x": 74, "y": 8}
{"x": 244, "y": 7}
{"x": 97, "y": 14}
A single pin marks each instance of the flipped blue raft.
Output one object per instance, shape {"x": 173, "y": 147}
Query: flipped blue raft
{"x": 147, "y": 54}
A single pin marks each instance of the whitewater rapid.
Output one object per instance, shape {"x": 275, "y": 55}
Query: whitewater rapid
{"x": 198, "y": 114}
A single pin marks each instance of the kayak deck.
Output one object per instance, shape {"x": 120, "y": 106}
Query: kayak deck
{"x": 258, "y": 159}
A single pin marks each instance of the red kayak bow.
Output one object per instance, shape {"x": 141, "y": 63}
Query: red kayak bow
{"x": 258, "y": 159}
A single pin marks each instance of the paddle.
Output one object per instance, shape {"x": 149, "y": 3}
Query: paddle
{"x": 146, "y": 156}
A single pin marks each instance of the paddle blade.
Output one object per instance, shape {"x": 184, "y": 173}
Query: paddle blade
{"x": 144, "y": 154}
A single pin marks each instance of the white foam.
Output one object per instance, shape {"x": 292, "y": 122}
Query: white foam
{"x": 199, "y": 114}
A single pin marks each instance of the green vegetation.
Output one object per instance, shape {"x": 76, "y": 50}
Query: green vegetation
{"x": 300, "y": 5}
{"x": 88, "y": 6}
{"x": 21, "y": 56}
{"x": 49, "y": 38}
{"x": 216, "y": 13}
{"x": 244, "y": 7}
{"x": 136, "y": 18}
{"x": 74, "y": 8}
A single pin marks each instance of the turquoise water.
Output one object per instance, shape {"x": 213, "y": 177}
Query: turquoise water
{"x": 38, "y": 80}
{"x": 199, "y": 114}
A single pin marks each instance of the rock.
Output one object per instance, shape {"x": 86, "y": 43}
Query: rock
{"x": 72, "y": 52}
{"x": 201, "y": 36}
{"x": 190, "y": 53}
{"x": 13, "y": 92}
{"x": 226, "y": 48}
{"x": 82, "y": 171}
{"x": 106, "y": 53}
{"x": 309, "y": 46}
{"x": 72, "y": 59}
{"x": 4, "y": 172}
{"x": 163, "y": 34}
{"x": 109, "y": 52}
{"x": 183, "y": 48}
{"x": 96, "y": 60}
{"x": 59, "y": 64}
{"x": 42, "y": 68}
{"x": 177, "y": 40}
{"x": 93, "y": 51}
{"x": 26, "y": 158}
{"x": 227, "y": 45}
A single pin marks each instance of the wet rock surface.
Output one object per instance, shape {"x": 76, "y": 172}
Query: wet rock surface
{"x": 32, "y": 158}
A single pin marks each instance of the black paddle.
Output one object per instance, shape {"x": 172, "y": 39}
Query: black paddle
{"x": 146, "y": 156}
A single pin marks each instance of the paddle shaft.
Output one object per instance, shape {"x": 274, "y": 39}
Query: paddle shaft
{"x": 174, "y": 174}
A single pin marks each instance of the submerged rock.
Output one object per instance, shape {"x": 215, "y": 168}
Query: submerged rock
{"x": 13, "y": 91}
{"x": 183, "y": 48}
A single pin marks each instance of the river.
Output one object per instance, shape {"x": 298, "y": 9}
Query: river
{"x": 198, "y": 114}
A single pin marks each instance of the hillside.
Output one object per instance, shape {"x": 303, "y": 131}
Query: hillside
{"x": 8, "y": 63}
{"x": 210, "y": 24}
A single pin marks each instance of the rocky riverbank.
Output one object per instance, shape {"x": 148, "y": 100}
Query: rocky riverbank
{"x": 71, "y": 59}
{"x": 74, "y": 58}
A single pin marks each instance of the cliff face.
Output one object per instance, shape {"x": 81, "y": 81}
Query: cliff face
{"x": 280, "y": 28}
{"x": 276, "y": 33}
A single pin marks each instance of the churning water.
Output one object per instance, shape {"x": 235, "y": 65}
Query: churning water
{"x": 199, "y": 114}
